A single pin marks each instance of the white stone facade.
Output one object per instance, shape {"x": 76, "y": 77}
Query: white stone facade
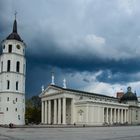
{"x": 67, "y": 106}
{"x": 12, "y": 82}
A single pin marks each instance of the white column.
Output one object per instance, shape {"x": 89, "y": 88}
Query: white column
{"x": 59, "y": 111}
{"x": 127, "y": 116}
{"x": 121, "y": 115}
{"x": 72, "y": 111}
{"x": 64, "y": 110}
{"x": 107, "y": 115}
{"x": 118, "y": 115}
{"x": 49, "y": 112}
{"x": 111, "y": 115}
{"x": 42, "y": 111}
{"x": 114, "y": 115}
{"x": 125, "y": 120}
{"x": 55, "y": 112}
{"x": 46, "y": 112}
{"x": 88, "y": 113}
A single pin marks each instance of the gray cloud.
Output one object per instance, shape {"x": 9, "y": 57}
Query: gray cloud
{"x": 77, "y": 36}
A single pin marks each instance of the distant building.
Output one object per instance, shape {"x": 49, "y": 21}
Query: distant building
{"x": 120, "y": 94}
{"x": 69, "y": 106}
{"x": 12, "y": 79}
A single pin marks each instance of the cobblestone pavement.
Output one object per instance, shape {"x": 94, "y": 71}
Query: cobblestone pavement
{"x": 87, "y": 133}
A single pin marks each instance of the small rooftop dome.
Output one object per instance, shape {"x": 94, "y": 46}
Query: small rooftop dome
{"x": 129, "y": 96}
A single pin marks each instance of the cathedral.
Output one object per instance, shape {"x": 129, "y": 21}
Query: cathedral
{"x": 61, "y": 105}
{"x": 12, "y": 79}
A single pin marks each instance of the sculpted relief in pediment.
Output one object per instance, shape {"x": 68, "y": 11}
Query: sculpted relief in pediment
{"x": 51, "y": 91}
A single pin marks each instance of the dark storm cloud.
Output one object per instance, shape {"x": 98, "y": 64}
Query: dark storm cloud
{"x": 59, "y": 59}
{"x": 76, "y": 36}
{"x": 3, "y": 23}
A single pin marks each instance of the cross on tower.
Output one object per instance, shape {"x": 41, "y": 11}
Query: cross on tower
{"x": 15, "y": 14}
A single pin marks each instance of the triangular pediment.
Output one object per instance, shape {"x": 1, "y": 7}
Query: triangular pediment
{"x": 51, "y": 89}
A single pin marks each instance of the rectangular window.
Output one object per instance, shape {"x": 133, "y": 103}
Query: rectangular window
{"x": 8, "y": 84}
{"x": 8, "y": 65}
{"x": 7, "y": 98}
{"x": 17, "y": 85}
{"x": 1, "y": 66}
{"x": 18, "y": 66}
{"x": 10, "y": 49}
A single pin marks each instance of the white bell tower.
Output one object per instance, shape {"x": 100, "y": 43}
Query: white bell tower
{"x": 12, "y": 79}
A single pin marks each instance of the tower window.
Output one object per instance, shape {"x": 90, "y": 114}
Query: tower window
{"x": 8, "y": 84}
{"x": 16, "y": 109}
{"x": 6, "y": 108}
{"x": 19, "y": 117}
{"x": 24, "y": 68}
{"x": 18, "y": 66}
{"x": 10, "y": 48}
{"x": 16, "y": 86}
{"x": 8, "y": 65}
{"x": 16, "y": 99}
{"x": 7, "y": 98}
{"x": 1, "y": 66}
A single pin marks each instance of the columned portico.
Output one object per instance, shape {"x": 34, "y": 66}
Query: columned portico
{"x": 54, "y": 111}
{"x": 115, "y": 115}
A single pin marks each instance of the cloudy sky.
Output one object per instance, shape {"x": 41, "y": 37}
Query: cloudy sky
{"x": 94, "y": 44}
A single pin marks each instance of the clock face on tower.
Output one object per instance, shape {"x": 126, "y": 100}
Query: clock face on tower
{"x": 18, "y": 46}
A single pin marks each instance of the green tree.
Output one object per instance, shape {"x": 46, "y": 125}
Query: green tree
{"x": 33, "y": 110}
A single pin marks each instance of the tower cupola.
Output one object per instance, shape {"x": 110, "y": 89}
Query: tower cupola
{"x": 14, "y": 35}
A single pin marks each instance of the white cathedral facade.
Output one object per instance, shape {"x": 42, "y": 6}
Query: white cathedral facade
{"x": 61, "y": 105}
{"x": 12, "y": 79}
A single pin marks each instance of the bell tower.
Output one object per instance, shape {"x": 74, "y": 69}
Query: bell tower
{"x": 12, "y": 79}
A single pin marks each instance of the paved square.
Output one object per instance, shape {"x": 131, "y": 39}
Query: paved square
{"x": 89, "y": 133}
